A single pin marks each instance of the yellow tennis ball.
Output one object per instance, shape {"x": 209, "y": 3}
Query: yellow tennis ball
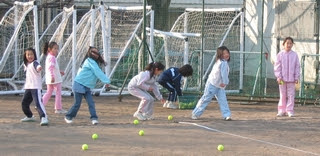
{"x": 170, "y": 117}
{"x": 135, "y": 122}
{"x": 220, "y": 147}
{"x": 141, "y": 133}
{"x": 85, "y": 147}
{"x": 95, "y": 136}
{"x": 281, "y": 82}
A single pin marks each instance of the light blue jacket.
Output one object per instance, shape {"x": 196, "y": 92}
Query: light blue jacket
{"x": 89, "y": 73}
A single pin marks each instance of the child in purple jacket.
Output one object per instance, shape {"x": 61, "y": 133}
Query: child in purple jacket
{"x": 287, "y": 72}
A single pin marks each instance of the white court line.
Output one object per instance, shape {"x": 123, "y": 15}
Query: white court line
{"x": 266, "y": 142}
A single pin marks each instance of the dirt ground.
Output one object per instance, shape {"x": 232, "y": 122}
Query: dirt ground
{"x": 254, "y": 131}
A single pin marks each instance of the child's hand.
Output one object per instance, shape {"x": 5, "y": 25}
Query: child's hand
{"x": 52, "y": 79}
{"x": 280, "y": 81}
{"x": 107, "y": 87}
{"x": 62, "y": 73}
{"x": 222, "y": 85}
{"x": 150, "y": 89}
{"x": 39, "y": 69}
{"x": 162, "y": 101}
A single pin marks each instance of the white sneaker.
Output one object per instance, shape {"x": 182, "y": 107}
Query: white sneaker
{"x": 67, "y": 120}
{"x": 44, "y": 121}
{"x": 171, "y": 105}
{"x": 228, "y": 118}
{"x": 290, "y": 114}
{"x": 26, "y": 119}
{"x": 60, "y": 111}
{"x": 149, "y": 117}
{"x": 194, "y": 117}
{"x": 281, "y": 114}
{"x": 95, "y": 122}
{"x": 165, "y": 104}
{"x": 139, "y": 116}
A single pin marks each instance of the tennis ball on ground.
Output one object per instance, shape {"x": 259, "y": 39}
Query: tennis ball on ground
{"x": 135, "y": 122}
{"x": 95, "y": 136}
{"x": 141, "y": 133}
{"x": 220, "y": 147}
{"x": 170, "y": 117}
{"x": 85, "y": 147}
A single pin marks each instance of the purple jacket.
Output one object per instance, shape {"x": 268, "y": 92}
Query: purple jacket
{"x": 287, "y": 66}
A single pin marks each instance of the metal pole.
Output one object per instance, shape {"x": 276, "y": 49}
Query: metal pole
{"x": 261, "y": 50}
{"x": 202, "y": 47}
{"x": 144, "y": 35}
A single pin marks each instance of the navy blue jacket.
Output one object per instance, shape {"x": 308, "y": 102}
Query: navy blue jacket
{"x": 173, "y": 77}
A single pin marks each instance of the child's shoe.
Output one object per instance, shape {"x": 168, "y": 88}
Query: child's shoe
{"x": 290, "y": 114}
{"x": 139, "y": 116}
{"x": 149, "y": 117}
{"x": 95, "y": 122}
{"x": 60, "y": 111}
{"x": 27, "y": 119}
{"x": 281, "y": 114}
{"x": 194, "y": 117}
{"x": 228, "y": 118}
{"x": 171, "y": 105}
{"x": 68, "y": 121}
{"x": 44, "y": 121}
{"x": 165, "y": 104}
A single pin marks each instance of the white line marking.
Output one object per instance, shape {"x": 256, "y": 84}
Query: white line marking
{"x": 266, "y": 142}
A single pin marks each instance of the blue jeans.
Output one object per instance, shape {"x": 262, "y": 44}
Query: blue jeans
{"x": 209, "y": 92}
{"x": 79, "y": 91}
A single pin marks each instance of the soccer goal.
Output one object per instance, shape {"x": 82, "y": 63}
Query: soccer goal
{"x": 115, "y": 31}
{"x": 183, "y": 43}
{"x": 18, "y": 32}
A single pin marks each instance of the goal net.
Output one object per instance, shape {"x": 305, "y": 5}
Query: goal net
{"x": 18, "y": 32}
{"x": 183, "y": 44}
{"x": 115, "y": 31}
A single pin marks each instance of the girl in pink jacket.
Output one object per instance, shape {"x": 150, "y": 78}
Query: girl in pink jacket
{"x": 287, "y": 72}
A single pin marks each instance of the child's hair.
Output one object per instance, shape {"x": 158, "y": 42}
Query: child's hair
{"x": 25, "y": 61}
{"x": 219, "y": 54}
{"x": 48, "y": 45}
{"x": 91, "y": 54}
{"x": 286, "y": 39}
{"x": 152, "y": 66}
{"x": 186, "y": 70}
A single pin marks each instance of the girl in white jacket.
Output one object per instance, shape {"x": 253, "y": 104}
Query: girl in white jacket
{"x": 215, "y": 86}
{"x": 140, "y": 85}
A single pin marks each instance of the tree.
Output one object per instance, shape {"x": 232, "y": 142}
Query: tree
{"x": 161, "y": 13}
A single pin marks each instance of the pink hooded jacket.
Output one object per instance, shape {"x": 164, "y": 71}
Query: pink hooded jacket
{"x": 287, "y": 66}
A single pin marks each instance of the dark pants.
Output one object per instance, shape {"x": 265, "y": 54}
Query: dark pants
{"x": 172, "y": 91}
{"x": 28, "y": 97}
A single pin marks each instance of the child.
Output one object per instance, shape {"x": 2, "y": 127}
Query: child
{"x": 215, "y": 86}
{"x": 287, "y": 72}
{"x": 32, "y": 88}
{"x": 140, "y": 85}
{"x": 53, "y": 76}
{"x": 171, "y": 80}
{"x": 85, "y": 80}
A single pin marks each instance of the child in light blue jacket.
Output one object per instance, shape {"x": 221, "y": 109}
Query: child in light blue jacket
{"x": 86, "y": 80}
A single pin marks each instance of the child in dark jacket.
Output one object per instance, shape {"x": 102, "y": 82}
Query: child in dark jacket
{"x": 171, "y": 80}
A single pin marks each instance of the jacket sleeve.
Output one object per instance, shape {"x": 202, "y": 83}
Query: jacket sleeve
{"x": 142, "y": 78}
{"x": 98, "y": 72}
{"x": 156, "y": 92}
{"x": 278, "y": 67}
{"x": 297, "y": 69}
{"x": 177, "y": 84}
{"x": 224, "y": 72}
